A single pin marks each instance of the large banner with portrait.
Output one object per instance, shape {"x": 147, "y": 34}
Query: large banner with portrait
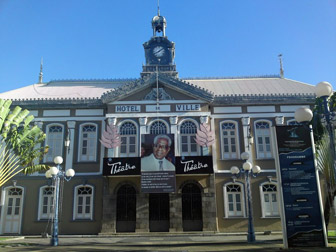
{"x": 157, "y": 163}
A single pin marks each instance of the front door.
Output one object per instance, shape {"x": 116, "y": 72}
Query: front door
{"x": 159, "y": 212}
{"x": 192, "y": 208}
{"x": 126, "y": 209}
{"x": 12, "y": 211}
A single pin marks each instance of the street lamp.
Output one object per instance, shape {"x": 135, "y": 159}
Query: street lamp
{"x": 323, "y": 90}
{"x": 247, "y": 169}
{"x": 57, "y": 174}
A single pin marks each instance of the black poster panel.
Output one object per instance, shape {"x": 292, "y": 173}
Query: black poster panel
{"x": 194, "y": 165}
{"x": 158, "y": 182}
{"x": 121, "y": 166}
{"x": 303, "y": 218}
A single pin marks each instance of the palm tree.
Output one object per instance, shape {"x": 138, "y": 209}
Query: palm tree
{"x": 326, "y": 164}
{"x": 18, "y": 143}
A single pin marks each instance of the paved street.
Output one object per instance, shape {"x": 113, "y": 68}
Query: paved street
{"x": 154, "y": 242}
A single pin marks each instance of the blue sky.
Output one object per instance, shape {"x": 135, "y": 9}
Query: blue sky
{"x": 90, "y": 39}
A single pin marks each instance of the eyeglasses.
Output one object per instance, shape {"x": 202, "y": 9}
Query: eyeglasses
{"x": 164, "y": 147}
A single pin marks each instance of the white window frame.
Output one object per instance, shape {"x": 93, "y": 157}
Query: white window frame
{"x": 226, "y": 200}
{"x": 47, "y": 143}
{"x": 189, "y": 138}
{"x": 159, "y": 120}
{"x": 50, "y": 204}
{"x": 233, "y": 155}
{"x": 264, "y": 154}
{"x": 127, "y": 138}
{"x": 81, "y": 216}
{"x": 263, "y": 203}
{"x": 80, "y": 145}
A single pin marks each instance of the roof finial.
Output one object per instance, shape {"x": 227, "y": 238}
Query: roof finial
{"x": 41, "y": 71}
{"x": 158, "y": 7}
{"x": 281, "y": 68}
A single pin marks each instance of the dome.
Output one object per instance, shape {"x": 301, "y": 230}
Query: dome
{"x": 159, "y": 23}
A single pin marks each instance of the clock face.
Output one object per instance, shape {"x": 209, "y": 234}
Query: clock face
{"x": 158, "y": 51}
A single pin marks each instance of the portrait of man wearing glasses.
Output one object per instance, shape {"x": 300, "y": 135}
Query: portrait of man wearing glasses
{"x": 157, "y": 161}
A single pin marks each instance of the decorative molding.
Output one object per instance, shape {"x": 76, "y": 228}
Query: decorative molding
{"x": 71, "y": 124}
{"x": 60, "y": 112}
{"x": 291, "y": 108}
{"x": 227, "y": 110}
{"x": 245, "y": 121}
{"x": 173, "y": 120}
{"x": 39, "y": 124}
{"x": 204, "y": 119}
{"x": 143, "y": 121}
{"x": 163, "y": 95}
{"x": 112, "y": 120}
{"x": 89, "y": 112}
{"x": 260, "y": 109}
{"x": 279, "y": 120}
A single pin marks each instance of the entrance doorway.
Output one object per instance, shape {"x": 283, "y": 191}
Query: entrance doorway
{"x": 126, "y": 209}
{"x": 159, "y": 212}
{"x": 192, "y": 208}
{"x": 12, "y": 211}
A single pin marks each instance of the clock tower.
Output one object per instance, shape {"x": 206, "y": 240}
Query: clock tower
{"x": 159, "y": 51}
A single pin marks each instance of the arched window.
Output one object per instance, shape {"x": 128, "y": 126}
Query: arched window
{"x": 234, "y": 200}
{"x": 83, "y": 202}
{"x": 229, "y": 140}
{"x": 88, "y": 142}
{"x": 54, "y": 140}
{"x": 46, "y": 202}
{"x": 188, "y": 145}
{"x": 269, "y": 199}
{"x": 129, "y": 140}
{"x": 263, "y": 139}
{"x": 158, "y": 127}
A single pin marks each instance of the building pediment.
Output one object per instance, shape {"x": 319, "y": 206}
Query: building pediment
{"x": 163, "y": 81}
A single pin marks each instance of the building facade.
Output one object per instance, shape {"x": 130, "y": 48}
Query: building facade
{"x": 106, "y": 198}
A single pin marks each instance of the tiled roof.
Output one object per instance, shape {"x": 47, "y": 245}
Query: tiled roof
{"x": 220, "y": 88}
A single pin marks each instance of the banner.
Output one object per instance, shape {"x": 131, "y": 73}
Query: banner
{"x": 303, "y": 216}
{"x": 157, "y": 163}
{"x": 121, "y": 166}
{"x": 194, "y": 165}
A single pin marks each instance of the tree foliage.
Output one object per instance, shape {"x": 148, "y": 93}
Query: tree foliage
{"x": 19, "y": 141}
{"x": 324, "y": 154}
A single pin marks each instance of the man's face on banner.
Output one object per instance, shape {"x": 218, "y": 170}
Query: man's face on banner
{"x": 161, "y": 149}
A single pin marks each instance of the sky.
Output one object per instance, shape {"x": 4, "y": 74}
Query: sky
{"x": 102, "y": 39}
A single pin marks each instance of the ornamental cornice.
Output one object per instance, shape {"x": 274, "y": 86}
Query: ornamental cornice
{"x": 265, "y": 99}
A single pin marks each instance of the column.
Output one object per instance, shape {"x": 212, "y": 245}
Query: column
{"x": 246, "y": 134}
{"x": 209, "y": 206}
{"x": 38, "y": 146}
{"x": 142, "y": 214}
{"x": 175, "y": 212}
{"x": 205, "y": 149}
{"x": 173, "y": 130}
{"x": 70, "y": 152}
{"x": 109, "y": 209}
{"x": 112, "y": 121}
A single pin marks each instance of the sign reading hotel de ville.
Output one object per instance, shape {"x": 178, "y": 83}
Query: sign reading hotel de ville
{"x": 158, "y": 163}
{"x": 127, "y": 108}
{"x": 121, "y": 166}
{"x": 304, "y": 222}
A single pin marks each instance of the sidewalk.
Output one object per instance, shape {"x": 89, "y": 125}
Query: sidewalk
{"x": 154, "y": 242}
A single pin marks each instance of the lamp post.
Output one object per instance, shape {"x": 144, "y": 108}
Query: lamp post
{"x": 323, "y": 90}
{"x": 57, "y": 174}
{"x": 247, "y": 169}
